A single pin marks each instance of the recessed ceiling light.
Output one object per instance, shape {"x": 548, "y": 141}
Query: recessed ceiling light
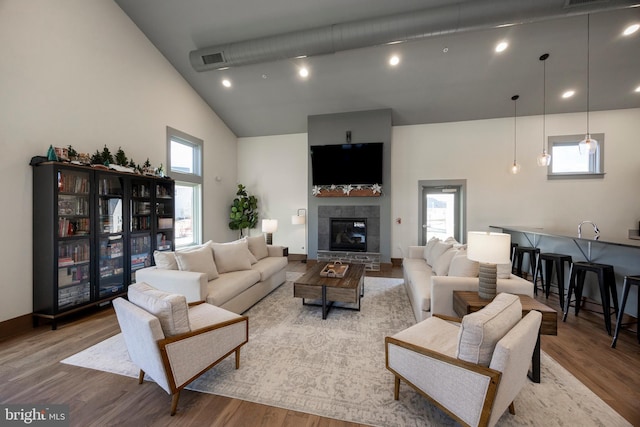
{"x": 303, "y": 72}
{"x": 222, "y": 69}
{"x": 637, "y": 89}
{"x": 631, "y": 29}
{"x": 300, "y": 56}
{"x": 395, "y": 42}
{"x": 569, "y": 93}
{"x": 394, "y": 60}
{"x": 502, "y": 46}
{"x": 226, "y": 83}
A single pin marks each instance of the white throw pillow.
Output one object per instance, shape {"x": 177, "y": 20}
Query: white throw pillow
{"x": 165, "y": 260}
{"x": 481, "y": 331}
{"x": 245, "y": 243}
{"x": 441, "y": 267}
{"x": 232, "y": 257}
{"x": 504, "y": 271}
{"x": 200, "y": 260}
{"x": 461, "y": 266}
{"x": 428, "y": 247}
{"x": 438, "y": 249}
{"x": 451, "y": 240}
{"x": 258, "y": 247}
{"x": 171, "y": 309}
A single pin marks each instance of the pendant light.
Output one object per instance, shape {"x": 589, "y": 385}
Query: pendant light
{"x": 515, "y": 167}
{"x": 588, "y": 144}
{"x": 544, "y": 159}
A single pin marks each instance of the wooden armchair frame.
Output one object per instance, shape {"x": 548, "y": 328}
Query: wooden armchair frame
{"x": 184, "y": 357}
{"x": 493, "y": 375}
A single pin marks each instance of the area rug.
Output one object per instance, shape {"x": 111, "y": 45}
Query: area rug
{"x": 336, "y": 367}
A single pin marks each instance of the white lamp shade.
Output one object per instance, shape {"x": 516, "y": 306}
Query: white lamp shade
{"x": 487, "y": 247}
{"x": 298, "y": 219}
{"x": 269, "y": 225}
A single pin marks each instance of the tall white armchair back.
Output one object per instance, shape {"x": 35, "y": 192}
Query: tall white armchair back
{"x": 141, "y": 331}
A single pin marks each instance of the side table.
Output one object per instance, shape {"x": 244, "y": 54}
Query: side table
{"x": 466, "y": 302}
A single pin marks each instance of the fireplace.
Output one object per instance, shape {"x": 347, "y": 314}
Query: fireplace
{"x": 348, "y": 234}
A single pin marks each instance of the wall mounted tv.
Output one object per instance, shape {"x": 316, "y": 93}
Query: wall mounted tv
{"x": 347, "y": 164}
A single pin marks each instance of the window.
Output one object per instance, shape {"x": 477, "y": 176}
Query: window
{"x": 185, "y": 167}
{"x": 442, "y": 210}
{"x": 569, "y": 161}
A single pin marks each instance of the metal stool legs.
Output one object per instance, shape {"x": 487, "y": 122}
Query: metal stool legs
{"x": 606, "y": 282}
{"x": 628, "y": 281}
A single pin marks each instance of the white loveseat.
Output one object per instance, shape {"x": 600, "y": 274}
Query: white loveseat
{"x": 233, "y": 276}
{"x": 433, "y": 272}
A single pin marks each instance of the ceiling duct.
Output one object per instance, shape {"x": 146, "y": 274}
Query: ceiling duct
{"x": 456, "y": 18}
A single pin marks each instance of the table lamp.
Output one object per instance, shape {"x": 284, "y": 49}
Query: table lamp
{"x": 488, "y": 249}
{"x": 269, "y": 226}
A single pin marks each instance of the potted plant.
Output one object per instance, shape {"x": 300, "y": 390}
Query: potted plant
{"x": 244, "y": 211}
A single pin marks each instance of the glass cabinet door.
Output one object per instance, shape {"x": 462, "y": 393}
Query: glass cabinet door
{"x": 140, "y": 205}
{"x": 111, "y": 265}
{"x": 73, "y": 243}
{"x": 140, "y": 253}
{"x": 73, "y": 203}
{"x": 110, "y": 236}
{"x": 74, "y": 285}
{"x": 164, "y": 206}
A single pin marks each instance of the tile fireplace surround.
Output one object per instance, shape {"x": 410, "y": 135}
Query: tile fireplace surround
{"x": 372, "y": 215}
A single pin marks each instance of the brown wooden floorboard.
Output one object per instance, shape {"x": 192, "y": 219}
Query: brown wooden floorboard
{"x": 30, "y": 372}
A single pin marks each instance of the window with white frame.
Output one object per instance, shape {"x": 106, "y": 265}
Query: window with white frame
{"x": 570, "y": 159}
{"x": 185, "y": 167}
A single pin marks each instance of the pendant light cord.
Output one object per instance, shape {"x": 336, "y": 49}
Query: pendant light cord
{"x": 588, "y": 45}
{"x": 544, "y": 102}
{"x": 515, "y": 115}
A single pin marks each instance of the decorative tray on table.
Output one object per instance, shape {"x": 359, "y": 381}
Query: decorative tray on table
{"x": 334, "y": 269}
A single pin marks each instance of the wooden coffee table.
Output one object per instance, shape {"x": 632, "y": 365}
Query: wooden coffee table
{"x": 465, "y": 302}
{"x": 348, "y": 289}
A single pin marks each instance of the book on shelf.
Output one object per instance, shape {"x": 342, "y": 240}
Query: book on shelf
{"x": 65, "y": 261}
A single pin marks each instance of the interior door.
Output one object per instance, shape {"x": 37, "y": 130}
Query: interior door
{"x": 441, "y": 212}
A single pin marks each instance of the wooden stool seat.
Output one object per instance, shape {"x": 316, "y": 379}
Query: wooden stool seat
{"x": 606, "y": 282}
{"x": 628, "y": 282}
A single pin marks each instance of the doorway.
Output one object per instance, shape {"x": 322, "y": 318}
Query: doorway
{"x": 442, "y": 210}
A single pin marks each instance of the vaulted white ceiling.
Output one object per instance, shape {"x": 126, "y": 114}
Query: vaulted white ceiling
{"x": 448, "y": 72}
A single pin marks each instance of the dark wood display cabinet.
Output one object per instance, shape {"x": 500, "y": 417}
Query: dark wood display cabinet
{"x": 92, "y": 229}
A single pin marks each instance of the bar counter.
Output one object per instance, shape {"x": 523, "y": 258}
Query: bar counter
{"x": 622, "y": 253}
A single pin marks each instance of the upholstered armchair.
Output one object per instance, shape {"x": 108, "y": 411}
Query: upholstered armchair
{"x": 472, "y": 368}
{"x": 174, "y": 343}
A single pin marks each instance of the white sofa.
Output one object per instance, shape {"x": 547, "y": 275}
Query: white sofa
{"x": 233, "y": 276}
{"x": 432, "y": 272}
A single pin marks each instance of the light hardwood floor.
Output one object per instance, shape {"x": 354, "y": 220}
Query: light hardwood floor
{"x": 30, "y": 372}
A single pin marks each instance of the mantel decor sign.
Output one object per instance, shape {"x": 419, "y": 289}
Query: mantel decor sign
{"x": 347, "y": 190}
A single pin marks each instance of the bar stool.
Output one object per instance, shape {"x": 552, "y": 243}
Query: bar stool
{"x": 628, "y": 282}
{"x": 551, "y": 260}
{"x": 606, "y": 282}
{"x": 512, "y": 255}
{"x": 534, "y": 259}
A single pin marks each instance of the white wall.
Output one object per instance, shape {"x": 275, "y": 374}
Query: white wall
{"x": 480, "y": 152}
{"x": 274, "y": 169}
{"x": 80, "y": 72}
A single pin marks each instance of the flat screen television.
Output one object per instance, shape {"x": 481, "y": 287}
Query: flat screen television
{"x": 347, "y": 164}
